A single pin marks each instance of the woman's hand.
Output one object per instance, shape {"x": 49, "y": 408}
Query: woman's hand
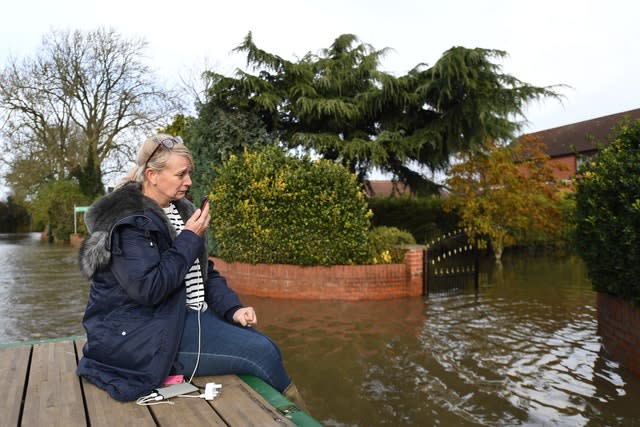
{"x": 246, "y": 316}
{"x": 199, "y": 221}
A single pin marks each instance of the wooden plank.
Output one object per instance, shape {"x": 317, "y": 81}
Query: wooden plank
{"x": 53, "y": 395}
{"x": 14, "y": 363}
{"x": 103, "y": 411}
{"x": 186, "y": 411}
{"x": 239, "y": 405}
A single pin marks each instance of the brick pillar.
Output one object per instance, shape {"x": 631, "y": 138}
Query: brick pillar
{"x": 619, "y": 327}
{"x": 414, "y": 262}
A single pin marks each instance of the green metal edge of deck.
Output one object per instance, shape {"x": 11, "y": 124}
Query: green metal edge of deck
{"x": 281, "y": 403}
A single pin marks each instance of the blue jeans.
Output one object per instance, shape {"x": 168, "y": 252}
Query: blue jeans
{"x": 229, "y": 349}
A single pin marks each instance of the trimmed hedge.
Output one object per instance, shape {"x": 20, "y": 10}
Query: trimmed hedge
{"x": 386, "y": 243}
{"x": 268, "y": 207}
{"x": 608, "y": 214}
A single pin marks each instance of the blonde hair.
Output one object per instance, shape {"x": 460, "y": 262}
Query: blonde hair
{"x": 159, "y": 158}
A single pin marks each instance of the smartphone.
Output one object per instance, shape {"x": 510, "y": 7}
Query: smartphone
{"x": 204, "y": 201}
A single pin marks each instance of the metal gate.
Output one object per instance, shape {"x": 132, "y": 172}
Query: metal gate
{"x": 451, "y": 264}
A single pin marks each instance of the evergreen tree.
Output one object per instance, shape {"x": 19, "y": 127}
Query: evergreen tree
{"x": 214, "y": 136}
{"x": 339, "y": 105}
{"x": 89, "y": 177}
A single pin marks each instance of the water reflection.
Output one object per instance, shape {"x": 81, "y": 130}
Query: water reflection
{"x": 536, "y": 370}
{"x": 42, "y": 294}
{"x": 523, "y": 351}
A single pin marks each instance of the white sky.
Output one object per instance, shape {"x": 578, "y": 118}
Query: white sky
{"x": 587, "y": 44}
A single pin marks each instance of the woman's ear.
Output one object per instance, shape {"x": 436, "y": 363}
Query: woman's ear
{"x": 150, "y": 176}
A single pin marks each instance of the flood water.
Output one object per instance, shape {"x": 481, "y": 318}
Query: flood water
{"x": 523, "y": 351}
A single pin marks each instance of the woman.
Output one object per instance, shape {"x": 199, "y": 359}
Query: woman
{"x": 156, "y": 305}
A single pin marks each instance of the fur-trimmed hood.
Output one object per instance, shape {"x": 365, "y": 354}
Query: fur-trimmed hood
{"x": 103, "y": 216}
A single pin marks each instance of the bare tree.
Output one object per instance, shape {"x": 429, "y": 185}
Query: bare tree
{"x": 75, "y": 107}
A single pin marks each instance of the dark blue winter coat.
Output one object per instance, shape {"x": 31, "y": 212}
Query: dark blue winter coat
{"x": 136, "y": 308}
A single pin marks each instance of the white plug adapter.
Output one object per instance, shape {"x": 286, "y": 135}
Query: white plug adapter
{"x": 211, "y": 390}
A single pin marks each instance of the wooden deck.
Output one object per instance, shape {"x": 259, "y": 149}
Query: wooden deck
{"x": 42, "y": 389}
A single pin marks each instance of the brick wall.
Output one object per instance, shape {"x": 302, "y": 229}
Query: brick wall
{"x": 342, "y": 282}
{"x": 619, "y": 327}
{"x": 565, "y": 166}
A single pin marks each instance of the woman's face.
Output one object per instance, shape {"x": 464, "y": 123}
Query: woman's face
{"x": 172, "y": 182}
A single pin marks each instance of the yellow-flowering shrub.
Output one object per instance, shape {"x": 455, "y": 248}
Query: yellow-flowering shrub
{"x": 269, "y": 207}
{"x": 385, "y": 244}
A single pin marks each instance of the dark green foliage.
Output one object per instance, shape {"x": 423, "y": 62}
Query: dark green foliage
{"x": 385, "y": 244}
{"x": 608, "y": 214}
{"x": 14, "y": 218}
{"x": 338, "y": 104}
{"x": 214, "y": 136}
{"x": 89, "y": 177}
{"x": 268, "y": 207}
{"x": 423, "y": 217}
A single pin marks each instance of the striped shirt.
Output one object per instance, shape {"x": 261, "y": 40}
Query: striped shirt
{"x": 193, "y": 278}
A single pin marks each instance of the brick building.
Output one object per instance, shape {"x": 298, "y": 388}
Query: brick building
{"x": 569, "y": 145}
{"x": 385, "y": 188}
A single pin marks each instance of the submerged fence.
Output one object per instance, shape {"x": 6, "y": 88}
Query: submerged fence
{"x": 451, "y": 264}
